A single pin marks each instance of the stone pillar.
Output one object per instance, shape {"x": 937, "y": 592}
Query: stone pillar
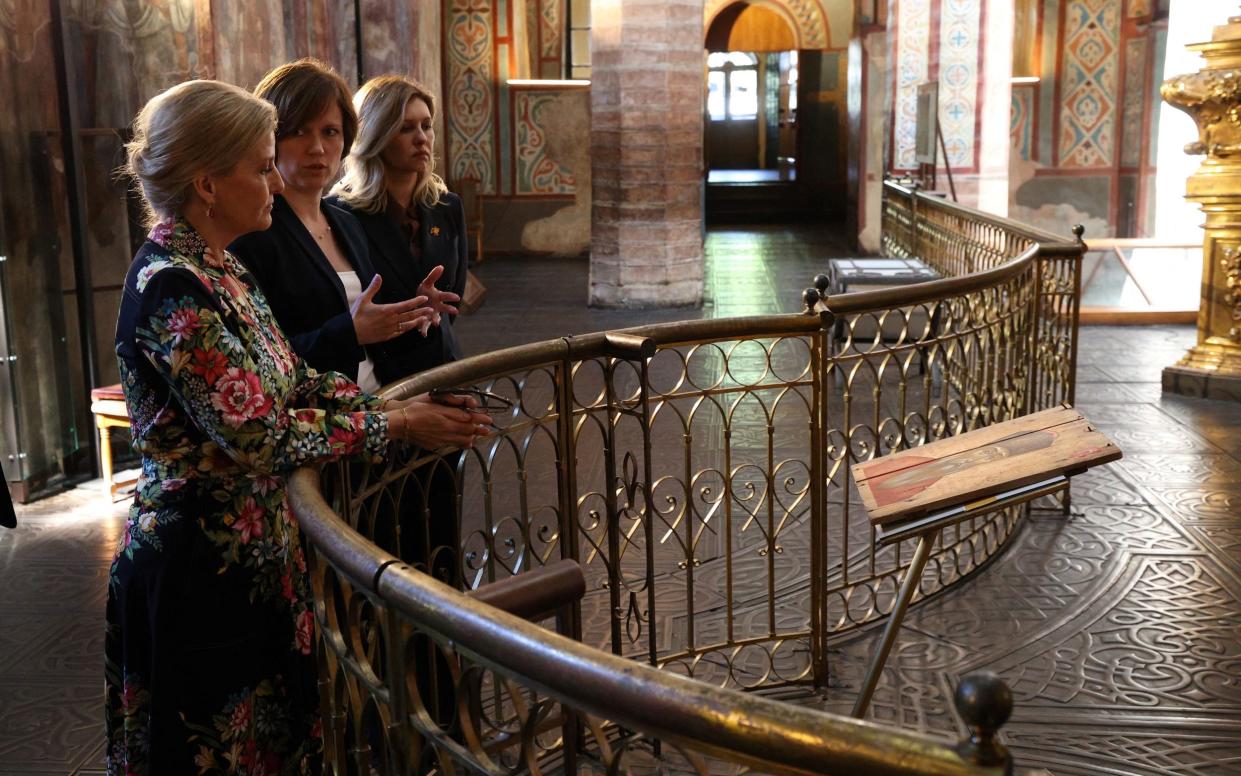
{"x": 646, "y": 138}
{"x": 1212, "y": 97}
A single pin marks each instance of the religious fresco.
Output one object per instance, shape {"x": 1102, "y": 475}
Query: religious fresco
{"x": 470, "y": 94}
{"x": 537, "y": 172}
{"x": 550, "y": 44}
{"x": 912, "y": 45}
{"x": 1089, "y": 70}
{"x": 921, "y": 472}
{"x": 1133, "y": 102}
{"x": 1021, "y": 121}
{"x": 959, "y": 43}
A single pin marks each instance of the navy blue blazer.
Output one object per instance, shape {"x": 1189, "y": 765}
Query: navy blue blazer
{"x": 303, "y": 288}
{"x": 442, "y": 238}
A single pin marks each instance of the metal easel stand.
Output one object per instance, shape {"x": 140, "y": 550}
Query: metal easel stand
{"x": 927, "y": 529}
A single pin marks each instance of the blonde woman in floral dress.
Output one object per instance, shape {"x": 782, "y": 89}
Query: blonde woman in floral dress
{"x": 210, "y": 626}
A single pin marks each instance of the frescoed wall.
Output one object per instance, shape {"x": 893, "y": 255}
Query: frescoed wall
{"x": 941, "y": 41}
{"x": 501, "y": 135}
{"x": 1083, "y": 135}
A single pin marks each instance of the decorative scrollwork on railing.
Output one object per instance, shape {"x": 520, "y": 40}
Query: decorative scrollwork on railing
{"x": 700, "y": 475}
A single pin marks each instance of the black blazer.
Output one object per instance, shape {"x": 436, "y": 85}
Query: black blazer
{"x": 302, "y": 286}
{"x": 442, "y": 234}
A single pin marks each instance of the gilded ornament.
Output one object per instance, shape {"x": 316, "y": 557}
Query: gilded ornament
{"x": 1212, "y": 98}
{"x": 1231, "y": 264}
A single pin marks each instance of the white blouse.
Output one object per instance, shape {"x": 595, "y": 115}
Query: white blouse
{"x": 366, "y": 368}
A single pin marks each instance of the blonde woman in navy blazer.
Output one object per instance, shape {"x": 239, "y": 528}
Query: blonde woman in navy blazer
{"x": 415, "y": 227}
{"x": 415, "y": 232}
{"x": 313, "y": 263}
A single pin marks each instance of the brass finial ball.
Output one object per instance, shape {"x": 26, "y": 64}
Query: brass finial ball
{"x": 810, "y": 297}
{"x": 1078, "y": 231}
{"x": 984, "y": 702}
{"x": 822, "y": 283}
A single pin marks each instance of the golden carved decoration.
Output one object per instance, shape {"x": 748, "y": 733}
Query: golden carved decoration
{"x": 1231, "y": 264}
{"x": 1212, "y": 98}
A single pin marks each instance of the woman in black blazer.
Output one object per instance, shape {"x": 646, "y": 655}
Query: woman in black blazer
{"x": 415, "y": 231}
{"x": 313, "y": 263}
{"x": 415, "y": 227}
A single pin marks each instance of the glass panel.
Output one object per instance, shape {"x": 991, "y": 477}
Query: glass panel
{"x": 43, "y": 391}
{"x": 717, "y": 59}
{"x": 743, "y": 94}
{"x": 793, "y": 84}
{"x": 1141, "y": 274}
{"x": 742, "y": 59}
{"x": 579, "y": 13}
{"x": 715, "y": 95}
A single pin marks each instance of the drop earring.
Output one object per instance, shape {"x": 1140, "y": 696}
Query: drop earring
{"x": 210, "y": 211}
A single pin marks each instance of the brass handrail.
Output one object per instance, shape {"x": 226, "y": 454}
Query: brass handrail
{"x": 738, "y": 727}
{"x": 1048, "y": 240}
{"x": 860, "y": 375}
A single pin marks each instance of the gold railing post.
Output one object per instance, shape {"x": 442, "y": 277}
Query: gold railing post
{"x": 914, "y": 249}
{"x": 818, "y": 495}
{"x": 1212, "y": 98}
{"x": 1076, "y": 314}
{"x": 648, "y": 497}
{"x": 568, "y": 619}
{"x": 1035, "y": 335}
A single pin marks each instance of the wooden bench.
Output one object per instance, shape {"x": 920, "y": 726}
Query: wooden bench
{"x": 917, "y": 493}
{"x": 108, "y": 405}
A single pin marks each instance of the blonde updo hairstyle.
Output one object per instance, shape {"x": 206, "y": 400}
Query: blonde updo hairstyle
{"x": 381, "y": 104}
{"x": 192, "y": 129}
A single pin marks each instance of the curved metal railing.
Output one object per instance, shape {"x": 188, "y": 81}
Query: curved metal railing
{"x": 699, "y": 473}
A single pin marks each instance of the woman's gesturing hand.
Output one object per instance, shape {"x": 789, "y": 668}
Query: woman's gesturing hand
{"x": 381, "y": 322}
{"x": 448, "y": 421}
{"x": 441, "y": 301}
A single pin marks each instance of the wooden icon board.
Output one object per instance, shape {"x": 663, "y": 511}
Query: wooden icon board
{"x": 981, "y": 463}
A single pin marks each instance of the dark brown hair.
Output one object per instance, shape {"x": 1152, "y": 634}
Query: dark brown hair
{"x": 302, "y": 90}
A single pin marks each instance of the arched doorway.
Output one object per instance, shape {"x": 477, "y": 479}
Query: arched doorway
{"x": 763, "y": 121}
{"x": 751, "y": 96}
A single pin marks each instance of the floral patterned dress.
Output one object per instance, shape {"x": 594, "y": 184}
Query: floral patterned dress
{"x": 210, "y": 625}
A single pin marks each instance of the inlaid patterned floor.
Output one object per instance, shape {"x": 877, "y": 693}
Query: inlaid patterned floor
{"x": 1119, "y": 628}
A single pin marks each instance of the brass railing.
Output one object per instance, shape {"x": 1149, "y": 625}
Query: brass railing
{"x": 699, "y": 474}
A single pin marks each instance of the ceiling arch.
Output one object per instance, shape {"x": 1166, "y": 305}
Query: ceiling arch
{"x": 804, "y": 16}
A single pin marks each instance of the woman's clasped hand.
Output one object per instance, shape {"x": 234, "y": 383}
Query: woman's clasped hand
{"x": 447, "y": 420}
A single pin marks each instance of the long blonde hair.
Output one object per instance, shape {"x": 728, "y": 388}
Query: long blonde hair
{"x": 381, "y": 104}
{"x": 192, "y": 128}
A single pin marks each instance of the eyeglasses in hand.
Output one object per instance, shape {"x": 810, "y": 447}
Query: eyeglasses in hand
{"x": 487, "y": 402}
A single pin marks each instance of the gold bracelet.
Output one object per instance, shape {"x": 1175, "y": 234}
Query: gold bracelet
{"x": 405, "y": 416}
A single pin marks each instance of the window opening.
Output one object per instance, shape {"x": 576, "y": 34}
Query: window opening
{"x": 732, "y": 85}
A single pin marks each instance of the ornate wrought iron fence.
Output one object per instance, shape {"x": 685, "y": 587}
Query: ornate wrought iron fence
{"x": 699, "y": 472}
